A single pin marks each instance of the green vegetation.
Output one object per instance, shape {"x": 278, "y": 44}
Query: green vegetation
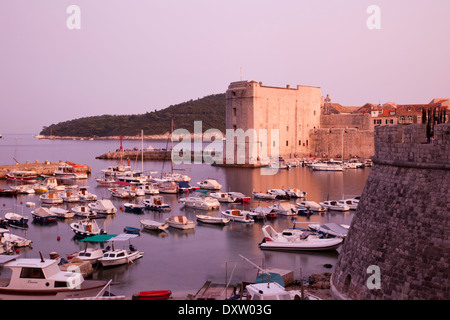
{"x": 210, "y": 110}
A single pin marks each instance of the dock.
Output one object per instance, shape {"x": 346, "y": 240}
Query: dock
{"x": 41, "y": 168}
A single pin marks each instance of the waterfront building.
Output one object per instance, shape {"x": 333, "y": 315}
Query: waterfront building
{"x": 294, "y": 112}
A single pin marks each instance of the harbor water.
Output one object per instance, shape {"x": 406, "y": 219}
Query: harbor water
{"x": 181, "y": 261}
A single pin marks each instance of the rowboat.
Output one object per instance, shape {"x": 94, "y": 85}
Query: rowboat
{"x": 134, "y": 207}
{"x": 153, "y": 225}
{"x": 152, "y": 295}
{"x": 238, "y": 215}
{"x": 180, "y": 222}
{"x": 212, "y": 220}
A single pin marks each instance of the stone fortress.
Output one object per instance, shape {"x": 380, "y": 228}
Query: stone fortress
{"x": 402, "y": 225}
{"x": 308, "y": 124}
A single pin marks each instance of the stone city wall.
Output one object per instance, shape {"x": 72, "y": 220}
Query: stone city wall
{"x": 398, "y": 245}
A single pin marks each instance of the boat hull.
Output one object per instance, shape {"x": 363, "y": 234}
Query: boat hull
{"x": 277, "y": 246}
{"x": 152, "y": 295}
{"x": 89, "y": 288}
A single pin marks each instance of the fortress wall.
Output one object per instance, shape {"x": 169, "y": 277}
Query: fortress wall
{"x": 402, "y": 224}
{"x": 337, "y": 141}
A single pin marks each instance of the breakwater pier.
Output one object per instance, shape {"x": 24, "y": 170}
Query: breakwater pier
{"x": 41, "y": 168}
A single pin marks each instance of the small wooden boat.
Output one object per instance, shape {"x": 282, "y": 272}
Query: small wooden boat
{"x": 83, "y": 211}
{"x": 18, "y": 175}
{"x": 62, "y": 213}
{"x": 103, "y": 206}
{"x": 16, "y": 219}
{"x": 131, "y": 230}
{"x": 222, "y": 197}
{"x": 134, "y": 207}
{"x": 51, "y": 198}
{"x": 264, "y": 196}
{"x": 44, "y": 216}
{"x": 180, "y": 222}
{"x": 212, "y": 220}
{"x": 153, "y": 225}
{"x": 69, "y": 196}
{"x": 8, "y": 192}
{"x": 152, "y": 295}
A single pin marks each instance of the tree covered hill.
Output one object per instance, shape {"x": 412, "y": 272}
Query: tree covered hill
{"x": 210, "y": 110}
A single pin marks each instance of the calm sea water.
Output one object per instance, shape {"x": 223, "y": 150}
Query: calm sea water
{"x": 181, "y": 260}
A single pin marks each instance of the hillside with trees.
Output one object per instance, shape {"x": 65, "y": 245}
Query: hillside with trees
{"x": 210, "y": 110}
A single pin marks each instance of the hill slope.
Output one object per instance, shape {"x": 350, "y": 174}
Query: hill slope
{"x": 210, "y": 110}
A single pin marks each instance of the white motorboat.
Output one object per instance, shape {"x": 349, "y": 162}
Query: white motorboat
{"x": 212, "y": 220}
{"x": 204, "y": 203}
{"x": 167, "y": 186}
{"x": 239, "y": 196}
{"x": 153, "y": 225}
{"x": 333, "y": 229}
{"x": 89, "y": 254}
{"x": 24, "y": 189}
{"x": 351, "y": 203}
{"x": 334, "y": 205}
{"x": 83, "y": 211}
{"x": 238, "y": 215}
{"x": 86, "y": 195}
{"x": 135, "y": 189}
{"x": 13, "y": 240}
{"x": 174, "y": 176}
{"x": 117, "y": 257}
{"x": 121, "y": 193}
{"x": 69, "y": 196}
{"x": 296, "y": 240}
{"x": 53, "y": 185}
{"x": 39, "y": 279}
{"x": 264, "y": 195}
{"x": 209, "y": 184}
{"x": 150, "y": 188}
{"x": 51, "y": 198}
{"x": 180, "y": 222}
{"x": 103, "y": 207}
{"x": 156, "y": 203}
{"x": 68, "y": 172}
{"x": 86, "y": 228}
{"x": 279, "y": 193}
{"x": 222, "y": 197}
{"x": 107, "y": 182}
{"x": 295, "y": 193}
{"x": 284, "y": 208}
{"x": 353, "y": 164}
{"x": 330, "y": 165}
{"x": 62, "y": 213}
{"x": 116, "y": 170}
{"x": 312, "y": 206}
{"x": 270, "y": 291}
{"x": 132, "y": 177}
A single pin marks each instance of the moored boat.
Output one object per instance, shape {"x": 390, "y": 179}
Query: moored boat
{"x": 204, "y": 203}
{"x": 44, "y": 215}
{"x": 296, "y": 240}
{"x": 86, "y": 228}
{"x": 153, "y": 225}
{"x": 334, "y": 205}
{"x": 209, "y": 184}
{"x": 134, "y": 207}
{"x": 103, "y": 207}
{"x": 152, "y": 295}
{"x": 222, "y": 197}
{"x": 211, "y": 219}
{"x": 51, "y": 198}
{"x": 39, "y": 279}
{"x": 238, "y": 215}
{"x": 180, "y": 222}
{"x": 21, "y": 175}
{"x": 83, "y": 211}
{"x": 156, "y": 203}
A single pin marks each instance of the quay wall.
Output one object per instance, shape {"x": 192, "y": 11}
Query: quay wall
{"x": 41, "y": 168}
{"x": 398, "y": 244}
{"x": 338, "y": 142}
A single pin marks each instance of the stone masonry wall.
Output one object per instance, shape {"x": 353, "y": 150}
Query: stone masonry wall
{"x": 402, "y": 224}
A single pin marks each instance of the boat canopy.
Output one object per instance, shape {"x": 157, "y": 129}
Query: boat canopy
{"x": 99, "y": 238}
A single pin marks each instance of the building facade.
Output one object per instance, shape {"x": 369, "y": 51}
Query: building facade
{"x": 288, "y": 116}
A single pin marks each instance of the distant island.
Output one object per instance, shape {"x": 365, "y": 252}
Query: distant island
{"x": 211, "y": 110}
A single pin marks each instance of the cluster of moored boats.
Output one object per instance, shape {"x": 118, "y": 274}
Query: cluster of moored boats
{"x": 125, "y": 184}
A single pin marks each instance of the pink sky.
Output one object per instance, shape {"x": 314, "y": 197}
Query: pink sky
{"x": 130, "y": 57}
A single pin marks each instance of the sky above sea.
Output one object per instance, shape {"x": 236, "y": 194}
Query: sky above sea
{"x": 62, "y": 60}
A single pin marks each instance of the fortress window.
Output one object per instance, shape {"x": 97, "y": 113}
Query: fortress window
{"x": 299, "y": 142}
{"x": 233, "y": 112}
{"x": 287, "y": 143}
